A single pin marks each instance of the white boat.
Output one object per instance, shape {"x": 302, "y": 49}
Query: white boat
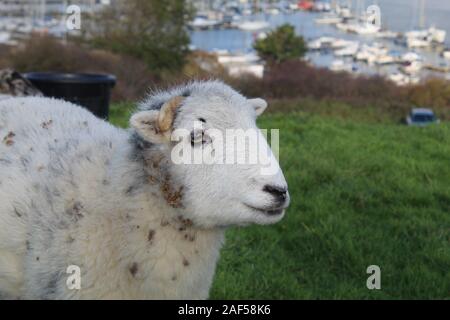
{"x": 409, "y": 57}
{"x": 349, "y": 51}
{"x": 376, "y": 48}
{"x": 358, "y": 28}
{"x": 343, "y": 27}
{"x": 256, "y": 70}
{"x": 314, "y": 44}
{"x": 261, "y": 35}
{"x": 364, "y": 29}
{"x": 385, "y": 59}
{"x": 398, "y": 78}
{"x": 321, "y": 43}
{"x": 220, "y": 52}
{"x": 5, "y": 37}
{"x": 365, "y": 55}
{"x": 412, "y": 68}
{"x": 402, "y": 79}
{"x": 241, "y": 64}
{"x": 416, "y": 34}
{"x": 25, "y": 28}
{"x": 344, "y": 12}
{"x": 293, "y": 6}
{"x": 225, "y": 58}
{"x": 446, "y": 54}
{"x": 425, "y": 38}
{"x": 340, "y": 65}
{"x": 273, "y": 11}
{"x": 433, "y": 34}
{"x": 413, "y": 80}
{"x": 375, "y": 53}
{"x": 412, "y": 42}
{"x": 319, "y": 6}
{"x": 326, "y": 7}
{"x": 328, "y": 19}
{"x": 387, "y": 34}
{"x": 247, "y": 12}
{"x": 437, "y": 35}
{"x": 202, "y": 22}
{"x": 253, "y": 25}
{"x": 342, "y": 43}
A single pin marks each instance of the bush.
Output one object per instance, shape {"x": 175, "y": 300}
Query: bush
{"x": 281, "y": 45}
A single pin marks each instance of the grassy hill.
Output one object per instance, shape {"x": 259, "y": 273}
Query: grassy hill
{"x": 363, "y": 192}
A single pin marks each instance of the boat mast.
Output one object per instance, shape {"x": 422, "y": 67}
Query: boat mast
{"x": 333, "y": 5}
{"x": 359, "y": 10}
{"x": 43, "y": 9}
{"x": 422, "y": 14}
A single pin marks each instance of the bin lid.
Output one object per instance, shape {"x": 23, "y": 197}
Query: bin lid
{"x": 55, "y": 77}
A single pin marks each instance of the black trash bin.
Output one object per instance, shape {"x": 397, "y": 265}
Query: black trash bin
{"x": 91, "y": 91}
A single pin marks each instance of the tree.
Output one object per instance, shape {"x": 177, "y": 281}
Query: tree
{"x": 151, "y": 30}
{"x": 280, "y": 45}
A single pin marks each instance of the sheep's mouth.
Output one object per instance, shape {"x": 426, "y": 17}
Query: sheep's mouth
{"x": 268, "y": 211}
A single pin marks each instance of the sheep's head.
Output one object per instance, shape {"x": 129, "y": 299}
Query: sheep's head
{"x": 197, "y": 128}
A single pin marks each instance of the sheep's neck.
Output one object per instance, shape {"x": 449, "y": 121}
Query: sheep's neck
{"x": 162, "y": 245}
{"x": 168, "y": 257}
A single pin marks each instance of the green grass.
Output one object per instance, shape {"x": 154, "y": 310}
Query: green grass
{"x": 119, "y": 114}
{"x": 363, "y": 192}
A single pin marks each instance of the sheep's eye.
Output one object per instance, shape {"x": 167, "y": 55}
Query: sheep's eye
{"x": 196, "y": 138}
{"x": 199, "y": 138}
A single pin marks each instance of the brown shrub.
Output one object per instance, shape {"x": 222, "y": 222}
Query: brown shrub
{"x": 5, "y": 52}
{"x": 434, "y": 93}
{"x": 295, "y": 79}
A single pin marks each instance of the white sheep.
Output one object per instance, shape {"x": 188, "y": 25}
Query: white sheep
{"x": 77, "y": 191}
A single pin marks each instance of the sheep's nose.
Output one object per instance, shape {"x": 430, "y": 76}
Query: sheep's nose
{"x": 280, "y": 193}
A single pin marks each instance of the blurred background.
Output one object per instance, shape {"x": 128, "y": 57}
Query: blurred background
{"x": 359, "y": 90}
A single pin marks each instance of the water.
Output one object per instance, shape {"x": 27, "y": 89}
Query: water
{"x": 403, "y": 15}
{"x": 396, "y": 15}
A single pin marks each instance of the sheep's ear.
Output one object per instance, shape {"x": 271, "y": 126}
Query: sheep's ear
{"x": 156, "y": 125}
{"x": 167, "y": 113}
{"x": 259, "y": 104}
{"x": 146, "y": 125}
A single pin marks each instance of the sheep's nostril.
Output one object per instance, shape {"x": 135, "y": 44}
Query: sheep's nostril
{"x": 279, "y": 192}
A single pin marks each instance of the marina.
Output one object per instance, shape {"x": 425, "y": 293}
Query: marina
{"x": 406, "y": 48}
